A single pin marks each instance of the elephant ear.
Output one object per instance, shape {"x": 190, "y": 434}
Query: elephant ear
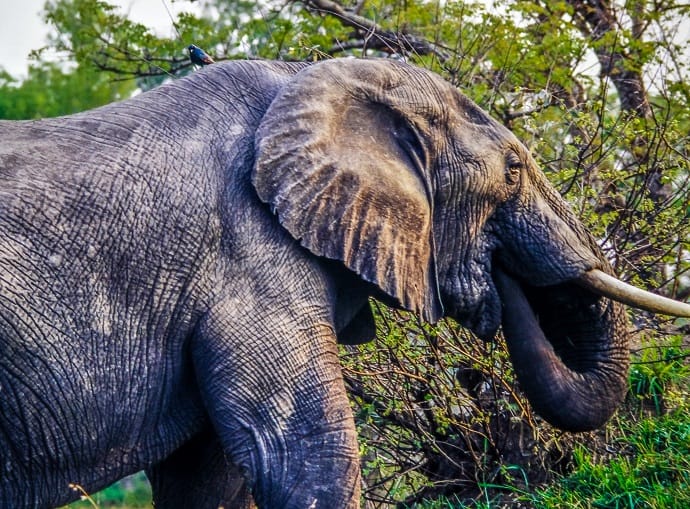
{"x": 342, "y": 167}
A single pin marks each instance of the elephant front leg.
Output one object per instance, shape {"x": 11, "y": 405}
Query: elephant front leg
{"x": 276, "y": 398}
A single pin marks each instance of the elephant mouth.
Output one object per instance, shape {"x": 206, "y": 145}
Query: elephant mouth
{"x": 565, "y": 314}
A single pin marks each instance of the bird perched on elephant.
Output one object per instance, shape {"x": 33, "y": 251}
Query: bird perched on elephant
{"x": 199, "y": 56}
{"x": 175, "y": 275}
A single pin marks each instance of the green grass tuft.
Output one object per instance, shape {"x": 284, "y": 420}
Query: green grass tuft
{"x": 133, "y": 492}
{"x": 653, "y": 473}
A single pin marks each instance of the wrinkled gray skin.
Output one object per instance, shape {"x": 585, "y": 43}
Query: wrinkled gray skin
{"x": 175, "y": 270}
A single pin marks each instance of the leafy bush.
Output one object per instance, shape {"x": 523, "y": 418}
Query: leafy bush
{"x": 438, "y": 413}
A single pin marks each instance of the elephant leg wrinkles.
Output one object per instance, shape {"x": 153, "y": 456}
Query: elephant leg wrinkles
{"x": 278, "y": 404}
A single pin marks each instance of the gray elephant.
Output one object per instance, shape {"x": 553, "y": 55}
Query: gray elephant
{"x": 176, "y": 270}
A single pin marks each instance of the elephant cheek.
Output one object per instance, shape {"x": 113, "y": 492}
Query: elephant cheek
{"x": 488, "y": 318}
{"x": 475, "y": 305}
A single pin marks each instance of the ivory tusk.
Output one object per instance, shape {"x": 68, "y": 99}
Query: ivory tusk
{"x": 608, "y": 286}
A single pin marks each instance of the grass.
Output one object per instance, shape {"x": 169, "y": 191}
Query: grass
{"x": 653, "y": 473}
{"x": 651, "y": 468}
{"x": 132, "y": 492}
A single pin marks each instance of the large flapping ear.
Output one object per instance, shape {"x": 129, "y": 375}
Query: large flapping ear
{"x": 340, "y": 165}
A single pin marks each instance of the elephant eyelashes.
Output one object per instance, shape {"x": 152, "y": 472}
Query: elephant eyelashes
{"x": 513, "y": 169}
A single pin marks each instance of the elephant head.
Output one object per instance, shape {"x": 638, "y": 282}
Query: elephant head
{"x": 393, "y": 172}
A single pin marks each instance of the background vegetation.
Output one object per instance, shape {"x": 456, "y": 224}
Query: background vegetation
{"x": 599, "y": 91}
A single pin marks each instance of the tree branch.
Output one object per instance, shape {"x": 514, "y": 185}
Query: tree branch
{"x": 596, "y": 21}
{"x": 394, "y": 42}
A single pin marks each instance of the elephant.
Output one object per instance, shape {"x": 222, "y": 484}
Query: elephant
{"x": 178, "y": 268}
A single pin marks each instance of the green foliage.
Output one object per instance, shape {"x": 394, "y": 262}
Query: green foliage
{"x": 659, "y": 374}
{"x": 643, "y": 460}
{"x": 438, "y": 415}
{"x": 655, "y": 476}
{"x": 98, "y": 36}
{"x": 51, "y": 91}
{"x": 132, "y": 492}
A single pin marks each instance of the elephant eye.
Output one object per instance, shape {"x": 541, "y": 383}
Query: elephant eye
{"x": 513, "y": 169}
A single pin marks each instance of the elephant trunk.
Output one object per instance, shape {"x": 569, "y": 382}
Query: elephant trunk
{"x": 569, "y": 348}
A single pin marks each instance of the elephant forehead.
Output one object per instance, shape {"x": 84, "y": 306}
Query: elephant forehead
{"x": 402, "y": 86}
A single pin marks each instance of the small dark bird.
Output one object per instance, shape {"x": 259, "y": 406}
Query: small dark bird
{"x": 199, "y": 56}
